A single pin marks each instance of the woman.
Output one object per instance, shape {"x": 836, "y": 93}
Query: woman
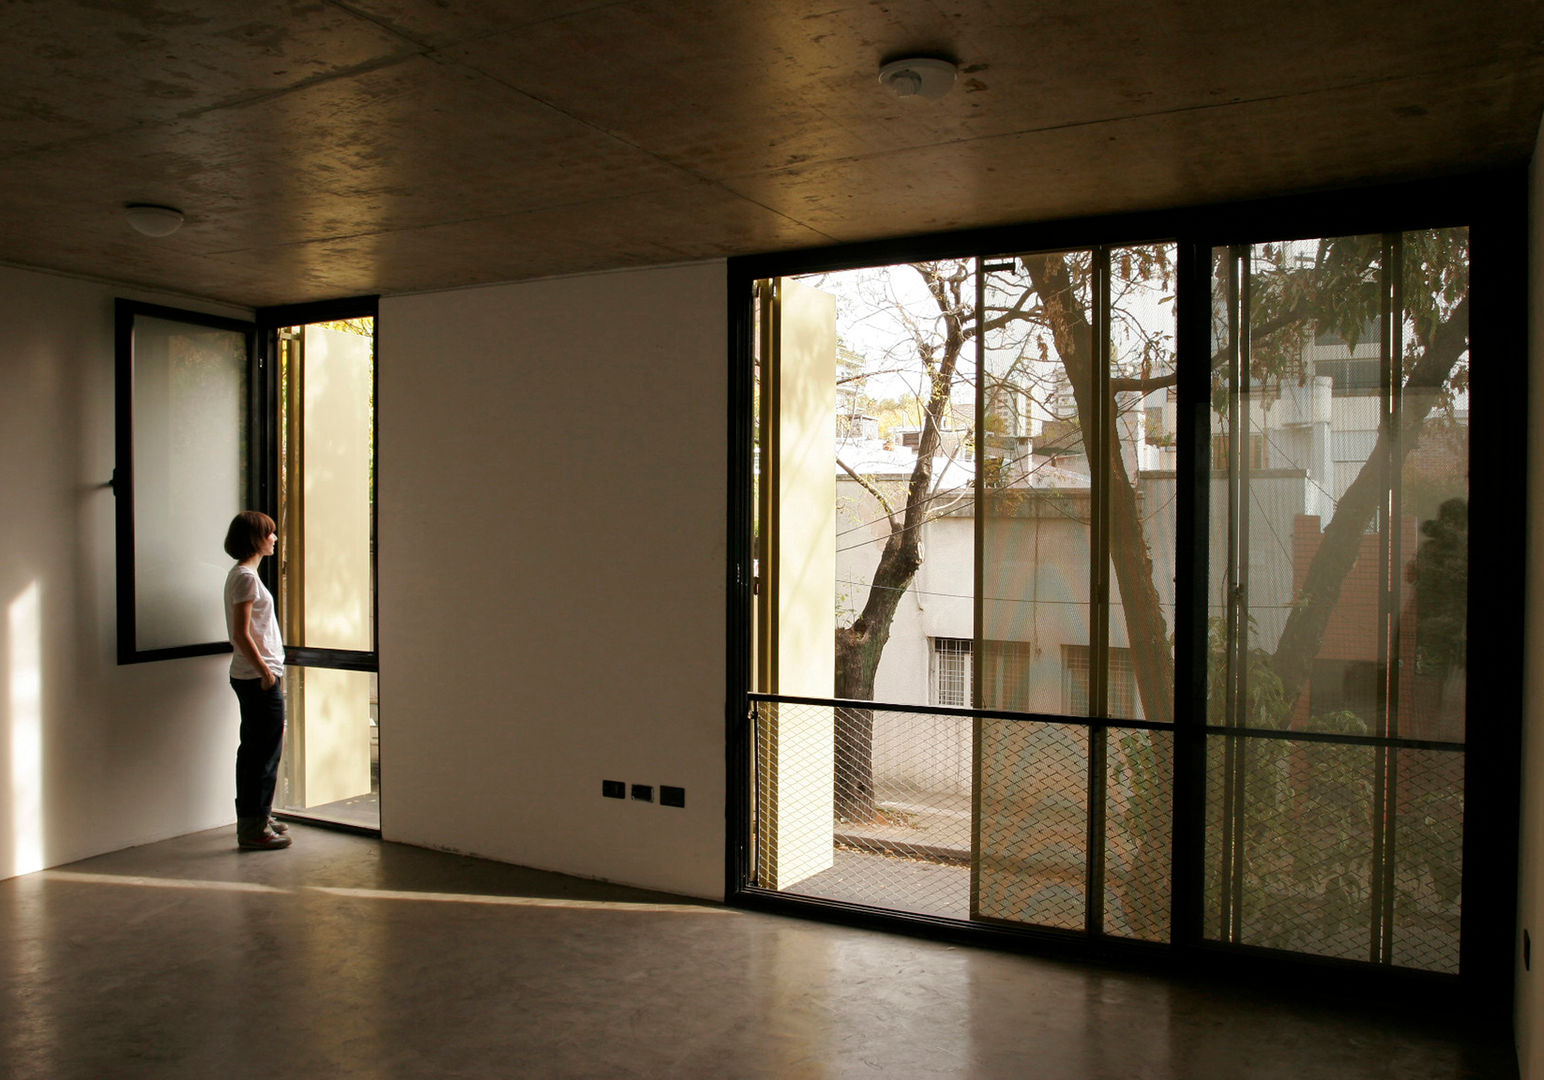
{"x": 257, "y": 673}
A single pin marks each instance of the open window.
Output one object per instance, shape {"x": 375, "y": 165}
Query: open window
{"x": 323, "y": 462}
{"x": 185, "y": 417}
{"x": 217, "y": 415}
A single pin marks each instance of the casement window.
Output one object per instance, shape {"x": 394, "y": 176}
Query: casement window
{"x": 186, "y": 406}
{"x": 216, "y": 415}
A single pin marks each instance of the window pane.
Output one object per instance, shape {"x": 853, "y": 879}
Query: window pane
{"x": 1297, "y": 821}
{"x": 866, "y": 513}
{"x": 327, "y": 496}
{"x": 1300, "y": 474}
{"x": 1033, "y": 819}
{"x": 1340, "y": 527}
{"x": 189, "y": 446}
{"x": 1138, "y": 833}
{"x": 1338, "y": 489}
{"x": 331, "y": 758}
{"x": 914, "y": 857}
{"x": 1428, "y": 859}
{"x": 1141, "y": 482}
{"x": 951, "y": 672}
{"x": 1006, "y": 669}
{"x": 1434, "y": 486}
{"x": 1035, "y": 537}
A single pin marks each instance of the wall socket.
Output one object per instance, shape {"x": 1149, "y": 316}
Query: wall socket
{"x": 620, "y": 789}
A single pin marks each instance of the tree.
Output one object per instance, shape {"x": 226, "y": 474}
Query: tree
{"x": 1290, "y": 300}
{"x": 860, "y": 644}
{"x": 1433, "y": 368}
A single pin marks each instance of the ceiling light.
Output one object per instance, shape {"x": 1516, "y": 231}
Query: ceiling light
{"x": 918, "y": 77}
{"x": 149, "y": 219}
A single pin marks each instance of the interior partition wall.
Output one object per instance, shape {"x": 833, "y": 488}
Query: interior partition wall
{"x": 1103, "y": 586}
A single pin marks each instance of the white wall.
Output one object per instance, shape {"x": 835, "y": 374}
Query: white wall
{"x": 551, "y": 572}
{"x": 1529, "y": 1012}
{"x": 93, "y": 756}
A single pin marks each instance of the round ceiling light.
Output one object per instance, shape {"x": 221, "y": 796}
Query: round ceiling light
{"x": 149, "y": 219}
{"x": 922, "y": 77}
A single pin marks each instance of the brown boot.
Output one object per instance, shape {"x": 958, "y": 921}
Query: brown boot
{"x": 253, "y": 834}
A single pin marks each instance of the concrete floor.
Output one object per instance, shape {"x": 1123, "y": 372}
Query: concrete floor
{"x": 347, "y": 957}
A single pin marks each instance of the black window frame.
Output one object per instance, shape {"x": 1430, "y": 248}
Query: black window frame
{"x": 1493, "y": 204}
{"x": 125, "y": 311}
{"x": 269, "y": 321}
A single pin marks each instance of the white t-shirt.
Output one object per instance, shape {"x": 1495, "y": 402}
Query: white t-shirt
{"x": 243, "y": 584}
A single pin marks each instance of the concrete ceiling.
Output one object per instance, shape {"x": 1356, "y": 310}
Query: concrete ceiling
{"x": 323, "y": 148}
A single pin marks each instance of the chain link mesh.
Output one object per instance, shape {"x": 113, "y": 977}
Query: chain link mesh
{"x": 1293, "y": 858}
{"x": 988, "y": 818}
{"x": 1428, "y": 859}
{"x": 866, "y": 806}
{"x": 874, "y": 806}
{"x": 1139, "y": 821}
{"x": 1033, "y": 861}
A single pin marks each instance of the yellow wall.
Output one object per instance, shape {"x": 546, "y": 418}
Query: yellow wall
{"x": 798, "y": 758}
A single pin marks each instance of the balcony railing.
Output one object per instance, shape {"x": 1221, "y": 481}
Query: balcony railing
{"x": 1066, "y": 823}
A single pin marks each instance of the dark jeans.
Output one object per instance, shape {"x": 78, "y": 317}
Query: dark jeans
{"x": 262, "y": 737}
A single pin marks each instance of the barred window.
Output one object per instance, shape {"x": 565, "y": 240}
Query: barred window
{"x": 1121, "y": 693}
{"x": 951, "y": 672}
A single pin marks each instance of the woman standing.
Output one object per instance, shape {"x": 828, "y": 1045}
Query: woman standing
{"x": 257, "y": 673}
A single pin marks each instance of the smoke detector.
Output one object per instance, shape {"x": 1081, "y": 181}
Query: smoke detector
{"x": 148, "y": 219}
{"x": 922, "y": 77}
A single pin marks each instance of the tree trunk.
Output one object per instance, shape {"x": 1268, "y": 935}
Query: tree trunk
{"x": 1316, "y": 600}
{"x": 1145, "y": 904}
{"x": 1151, "y": 658}
{"x": 860, "y": 646}
{"x": 858, "y": 649}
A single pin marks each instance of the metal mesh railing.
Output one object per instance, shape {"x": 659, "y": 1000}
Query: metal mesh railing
{"x": 963, "y": 816}
{"x": 1339, "y": 846}
{"x": 1034, "y": 823}
{"x": 1336, "y": 849}
{"x": 866, "y": 806}
{"x": 1139, "y": 826}
{"x": 1428, "y": 859}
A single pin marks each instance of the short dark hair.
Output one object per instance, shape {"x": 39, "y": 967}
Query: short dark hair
{"x": 247, "y": 532}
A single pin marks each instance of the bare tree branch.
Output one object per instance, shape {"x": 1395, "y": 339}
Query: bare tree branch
{"x": 884, "y": 503}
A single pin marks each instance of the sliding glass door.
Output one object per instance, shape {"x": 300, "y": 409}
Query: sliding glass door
{"x": 975, "y": 682}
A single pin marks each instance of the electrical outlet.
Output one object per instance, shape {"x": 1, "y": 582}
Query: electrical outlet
{"x": 613, "y": 789}
{"x": 672, "y": 796}
{"x": 643, "y": 792}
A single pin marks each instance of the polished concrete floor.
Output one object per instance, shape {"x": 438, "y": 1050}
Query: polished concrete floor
{"x": 347, "y": 957}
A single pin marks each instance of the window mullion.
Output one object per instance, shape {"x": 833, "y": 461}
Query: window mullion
{"x": 1100, "y": 444}
{"x": 1386, "y": 761}
{"x": 1236, "y": 587}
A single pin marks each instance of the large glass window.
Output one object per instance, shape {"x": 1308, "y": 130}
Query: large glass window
{"x": 972, "y": 541}
{"x": 1340, "y": 596}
